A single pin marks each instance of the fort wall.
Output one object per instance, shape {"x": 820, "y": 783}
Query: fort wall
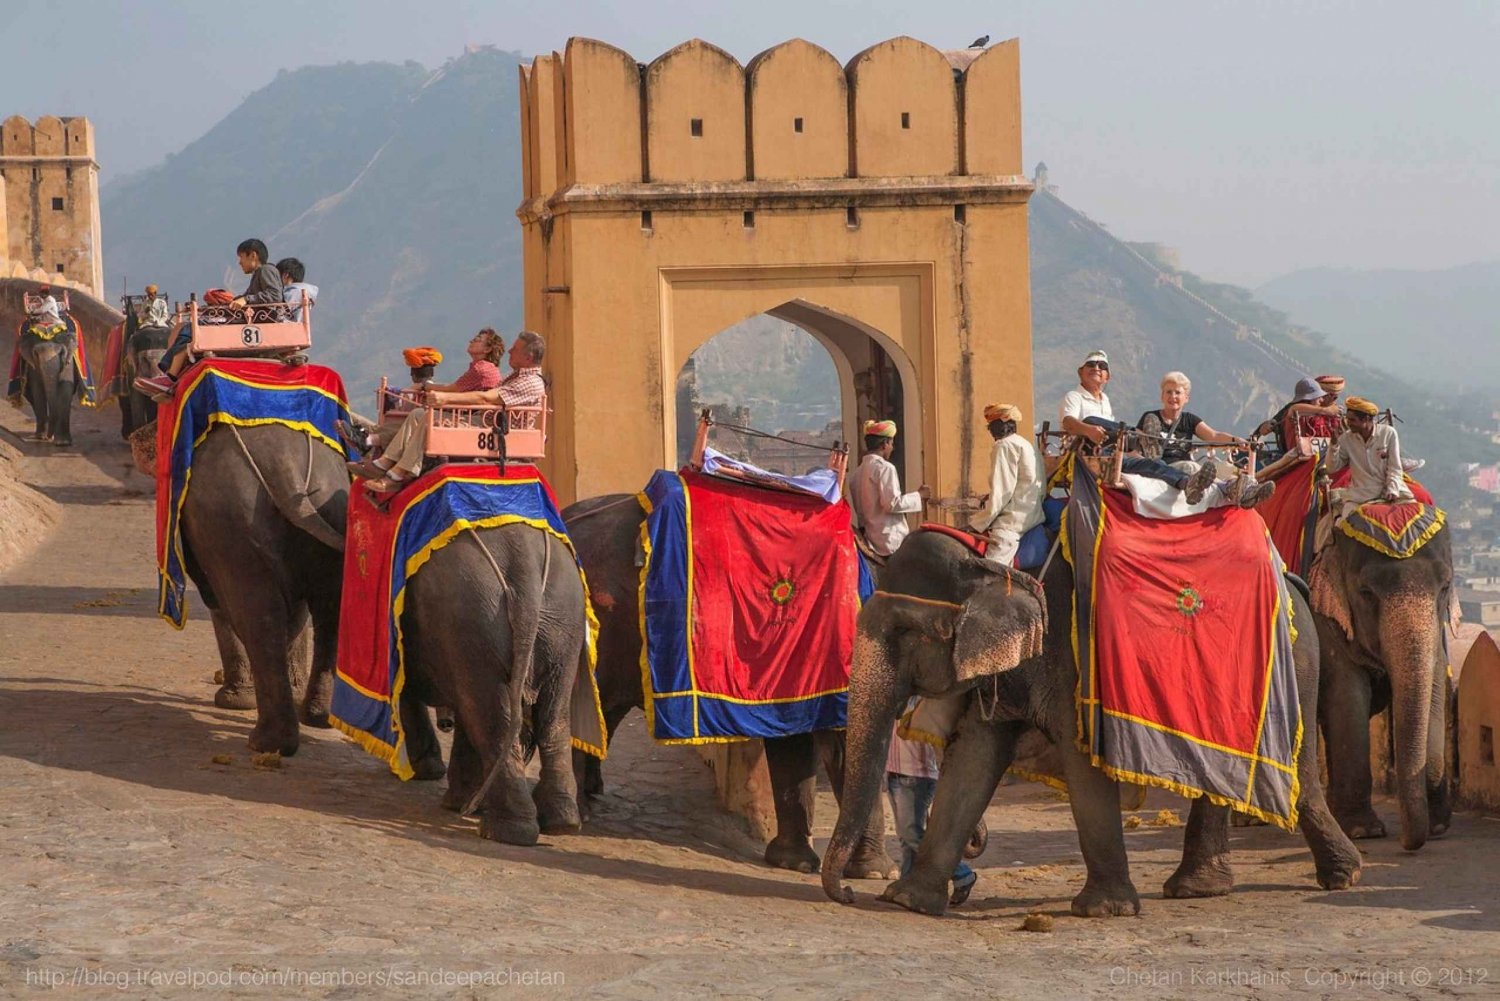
{"x": 882, "y": 199}
{"x": 49, "y": 203}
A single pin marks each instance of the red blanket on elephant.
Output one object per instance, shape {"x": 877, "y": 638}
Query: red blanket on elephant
{"x": 1183, "y": 634}
{"x": 1291, "y": 514}
{"x": 385, "y": 548}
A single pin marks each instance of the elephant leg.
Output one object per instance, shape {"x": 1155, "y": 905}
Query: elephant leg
{"x": 870, "y": 859}
{"x": 556, "y": 792}
{"x": 792, "y": 762}
{"x": 1204, "y": 870}
{"x": 1095, "y": 799}
{"x": 323, "y": 607}
{"x": 465, "y": 772}
{"x": 589, "y": 770}
{"x": 1334, "y": 856}
{"x": 508, "y": 813}
{"x": 1344, "y": 707}
{"x": 1439, "y": 779}
{"x": 422, "y": 748}
{"x": 238, "y": 689}
{"x": 973, "y": 763}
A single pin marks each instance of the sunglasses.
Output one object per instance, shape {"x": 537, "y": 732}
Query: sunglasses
{"x": 1103, "y": 366}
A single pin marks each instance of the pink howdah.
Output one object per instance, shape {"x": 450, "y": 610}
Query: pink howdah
{"x": 249, "y": 329}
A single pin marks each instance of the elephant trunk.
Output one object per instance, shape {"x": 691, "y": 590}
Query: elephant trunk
{"x": 876, "y": 695}
{"x": 1412, "y": 645}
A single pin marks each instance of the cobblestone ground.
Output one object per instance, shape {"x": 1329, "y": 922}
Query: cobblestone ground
{"x": 134, "y": 865}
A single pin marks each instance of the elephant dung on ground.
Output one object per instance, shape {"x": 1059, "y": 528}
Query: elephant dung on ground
{"x": 495, "y": 625}
{"x": 606, "y": 531}
{"x": 948, "y": 622}
{"x": 1381, "y": 623}
{"x": 262, "y": 535}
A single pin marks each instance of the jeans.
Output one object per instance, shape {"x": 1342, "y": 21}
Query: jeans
{"x": 178, "y": 346}
{"x": 911, "y": 799}
{"x": 1154, "y": 469}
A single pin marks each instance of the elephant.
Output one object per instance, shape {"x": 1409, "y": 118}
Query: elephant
{"x": 141, "y": 350}
{"x": 51, "y": 381}
{"x": 606, "y": 532}
{"x": 495, "y": 625}
{"x": 944, "y": 615}
{"x": 262, "y": 537}
{"x": 1380, "y": 623}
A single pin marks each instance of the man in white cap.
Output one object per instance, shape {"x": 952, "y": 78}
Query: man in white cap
{"x": 875, "y": 490}
{"x": 1086, "y": 413}
{"x": 1015, "y": 500}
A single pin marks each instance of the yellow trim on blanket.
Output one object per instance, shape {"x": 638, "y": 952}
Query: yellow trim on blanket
{"x": 751, "y": 702}
{"x": 1288, "y": 823}
{"x": 1253, "y": 757}
{"x": 1439, "y": 519}
{"x": 687, "y": 611}
{"x": 646, "y": 696}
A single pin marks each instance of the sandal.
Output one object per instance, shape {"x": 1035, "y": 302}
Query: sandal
{"x": 355, "y": 444}
{"x": 384, "y": 485}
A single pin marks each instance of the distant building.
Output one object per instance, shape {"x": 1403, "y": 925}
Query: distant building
{"x": 1482, "y": 607}
{"x": 49, "y": 202}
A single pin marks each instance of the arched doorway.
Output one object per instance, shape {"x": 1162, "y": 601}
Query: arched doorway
{"x": 801, "y": 372}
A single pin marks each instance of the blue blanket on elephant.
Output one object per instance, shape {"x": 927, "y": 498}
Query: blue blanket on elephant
{"x": 385, "y": 548}
{"x": 307, "y": 398}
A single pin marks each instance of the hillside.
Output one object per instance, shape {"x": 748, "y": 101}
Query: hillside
{"x": 1397, "y": 317}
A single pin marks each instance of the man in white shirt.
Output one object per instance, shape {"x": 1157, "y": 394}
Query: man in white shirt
{"x": 875, "y": 490}
{"x": 1015, "y": 498}
{"x": 46, "y": 313}
{"x": 1372, "y": 452}
{"x": 155, "y": 311}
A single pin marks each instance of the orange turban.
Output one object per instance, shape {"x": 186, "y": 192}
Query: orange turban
{"x": 1002, "y": 412}
{"x": 1331, "y": 383}
{"x": 880, "y": 429}
{"x": 422, "y": 357}
{"x": 1359, "y": 405}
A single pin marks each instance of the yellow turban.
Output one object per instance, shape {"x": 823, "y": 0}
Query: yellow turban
{"x": 880, "y": 429}
{"x": 1359, "y": 405}
{"x": 150, "y": 289}
{"x": 1002, "y": 412}
{"x": 422, "y": 357}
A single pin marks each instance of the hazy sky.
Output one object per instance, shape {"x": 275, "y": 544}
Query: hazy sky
{"x": 1257, "y": 137}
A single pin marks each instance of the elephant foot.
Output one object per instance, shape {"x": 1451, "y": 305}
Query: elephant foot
{"x": 917, "y": 895}
{"x": 1340, "y": 874}
{"x": 559, "y": 818}
{"x": 871, "y": 862}
{"x": 509, "y": 830}
{"x": 235, "y": 697}
{"x": 429, "y": 769}
{"x": 62, "y": 442}
{"x": 455, "y": 798}
{"x": 316, "y": 717}
{"x": 1364, "y": 824}
{"x": 1112, "y": 901}
{"x": 795, "y": 854}
{"x": 1212, "y": 878}
{"x": 265, "y": 738}
{"x": 1238, "y": 819}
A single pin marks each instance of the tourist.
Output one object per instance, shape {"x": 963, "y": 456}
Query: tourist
{"x": 911, "y": 774}
{"x": 1178, "y": 430}
{"x": 294, "y": 289}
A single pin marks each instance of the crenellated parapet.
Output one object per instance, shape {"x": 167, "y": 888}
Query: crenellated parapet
{"x": 49, "y": 202}
{"x": 594, "y": 119}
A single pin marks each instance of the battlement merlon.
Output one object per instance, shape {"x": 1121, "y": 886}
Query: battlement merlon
{"x": 51, "y": 194}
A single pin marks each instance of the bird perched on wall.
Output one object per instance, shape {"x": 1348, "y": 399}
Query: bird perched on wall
{"x": 980, "y": 42}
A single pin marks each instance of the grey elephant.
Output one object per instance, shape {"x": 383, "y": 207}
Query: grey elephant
{"x": 262, "y": 529}
{"x": 141, "y": 349}
{"x": 51, "y": 380}
{"x": 1381, "y": 623}
{"x": 606, "y": 532}
{"x": 495, "y": 625}
{"x": 947, "y": 615}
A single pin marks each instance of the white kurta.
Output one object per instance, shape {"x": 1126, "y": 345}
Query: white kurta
{"x": 881, "y": 506}
{"x": 1375, "y": 467}
{"x": 1015, "y": 496}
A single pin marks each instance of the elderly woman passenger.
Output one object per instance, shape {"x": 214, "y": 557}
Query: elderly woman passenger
{"x": 1180, "y": 430}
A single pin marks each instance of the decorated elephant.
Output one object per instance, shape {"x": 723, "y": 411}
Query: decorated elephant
{"x": 494, "y": 628}
{"x": 1381, "y": 621}
{"x": 48, "y": 356}
{"x": 606, "y": 532}
{"x": 948, "y": 622}
{"x": 261, "y": 534}
{"x": 140, "y": 350}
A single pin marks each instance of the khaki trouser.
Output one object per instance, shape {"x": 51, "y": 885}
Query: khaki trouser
{"x": 408, "y": 445}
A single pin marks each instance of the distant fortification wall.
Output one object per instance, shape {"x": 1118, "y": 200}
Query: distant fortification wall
{"x": 49, "y": 203}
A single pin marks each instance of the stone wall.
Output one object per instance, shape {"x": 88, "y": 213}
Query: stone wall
{"x": 49, "y": 203}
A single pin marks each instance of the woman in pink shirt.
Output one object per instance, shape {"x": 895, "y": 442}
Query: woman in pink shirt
{"x": 486, "y": 348}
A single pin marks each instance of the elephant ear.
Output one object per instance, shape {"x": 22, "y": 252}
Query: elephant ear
{"x": 1000, "y": 626}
